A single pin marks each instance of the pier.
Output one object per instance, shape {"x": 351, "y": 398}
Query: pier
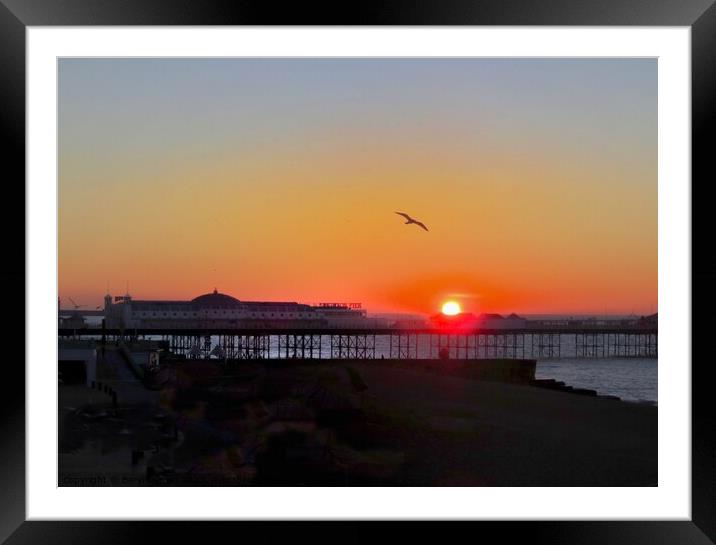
{"x": 543, "y": 342}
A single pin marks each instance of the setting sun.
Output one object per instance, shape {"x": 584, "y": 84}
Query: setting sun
{"x": 451, "y": 308}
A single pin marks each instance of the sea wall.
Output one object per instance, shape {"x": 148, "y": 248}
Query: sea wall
{"x": 500, "y": 370}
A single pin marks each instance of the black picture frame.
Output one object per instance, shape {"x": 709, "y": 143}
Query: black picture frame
{"x": 16, "y": 15}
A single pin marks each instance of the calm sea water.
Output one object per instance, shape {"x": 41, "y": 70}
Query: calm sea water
{"x": 631, "y": 379}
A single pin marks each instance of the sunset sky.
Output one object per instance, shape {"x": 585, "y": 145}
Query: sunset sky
{"x": 278, "y": 179}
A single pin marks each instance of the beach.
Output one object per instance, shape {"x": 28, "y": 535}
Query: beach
{"x": 351, "y": 423}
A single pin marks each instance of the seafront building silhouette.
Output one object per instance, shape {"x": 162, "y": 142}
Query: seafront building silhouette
{"x": 217, "y": 309}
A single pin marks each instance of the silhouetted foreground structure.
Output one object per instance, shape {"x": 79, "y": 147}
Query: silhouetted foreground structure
{"x": 638, "y": 341}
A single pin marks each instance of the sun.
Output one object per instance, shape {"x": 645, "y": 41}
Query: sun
{"x": 451, "y": 308}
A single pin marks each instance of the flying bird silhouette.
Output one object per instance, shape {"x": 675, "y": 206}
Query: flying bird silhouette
{"x": 411, "y": 220}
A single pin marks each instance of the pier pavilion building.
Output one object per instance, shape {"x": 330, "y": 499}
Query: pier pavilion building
{"x": 224, "y": 311}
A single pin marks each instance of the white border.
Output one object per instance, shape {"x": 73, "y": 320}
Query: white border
{"x": 670, "y": 500}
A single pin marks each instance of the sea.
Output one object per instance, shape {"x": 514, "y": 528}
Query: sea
{"x": 631, "y": 379}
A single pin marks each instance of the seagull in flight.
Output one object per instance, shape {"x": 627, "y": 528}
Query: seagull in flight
{"x": 411, "y": 220}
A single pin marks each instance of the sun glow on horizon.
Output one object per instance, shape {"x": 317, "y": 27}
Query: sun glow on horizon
{"x": 522, "y": 215}
{"x": 451, "y": 308}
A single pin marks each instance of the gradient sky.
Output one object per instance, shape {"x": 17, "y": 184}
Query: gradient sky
{"x": 277, "y": 179}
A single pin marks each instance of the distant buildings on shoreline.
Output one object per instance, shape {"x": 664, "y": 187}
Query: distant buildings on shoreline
{"x": 219, "y": 310}
{"x": 467, "y": 320}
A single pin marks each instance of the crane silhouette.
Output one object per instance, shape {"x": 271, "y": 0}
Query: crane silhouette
{"x": 75, "y": 304}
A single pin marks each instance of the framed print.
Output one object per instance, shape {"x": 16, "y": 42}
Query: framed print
{"x": 410, "y": 265}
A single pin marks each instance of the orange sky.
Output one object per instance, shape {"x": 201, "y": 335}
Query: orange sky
{"x": 549, "y": 214}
